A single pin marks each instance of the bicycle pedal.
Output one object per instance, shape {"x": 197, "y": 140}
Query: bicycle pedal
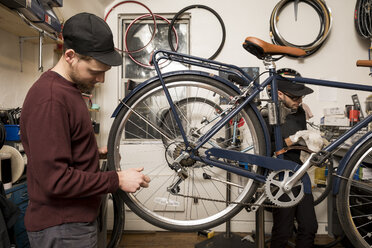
{"x": 206, "y": 233}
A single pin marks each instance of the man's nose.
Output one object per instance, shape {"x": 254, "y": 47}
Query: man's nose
{"x": 100, "y": 78}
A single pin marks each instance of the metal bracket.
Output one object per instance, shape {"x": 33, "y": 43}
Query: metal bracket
{"x": 22, "y": 39}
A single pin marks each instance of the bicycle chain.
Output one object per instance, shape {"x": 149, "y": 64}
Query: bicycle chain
{"x": 228, "y": 202}
{"x": 246, "y": 204}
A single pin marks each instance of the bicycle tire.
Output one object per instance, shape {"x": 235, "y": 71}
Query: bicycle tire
{"x": 182, "y": 11}
{"x": 155, "y": 204}
{"x": 326, "y": 23}
{"x": 119, "y": 219}
{"x": 353, "y": 200}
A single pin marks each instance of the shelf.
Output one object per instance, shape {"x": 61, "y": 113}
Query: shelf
{"x": 11, "y": 22}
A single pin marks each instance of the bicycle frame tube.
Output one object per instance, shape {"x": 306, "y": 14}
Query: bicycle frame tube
{"x": 221, "y": 123}
{"x": 333, "y": 84}
{"x": 277, "y": 129}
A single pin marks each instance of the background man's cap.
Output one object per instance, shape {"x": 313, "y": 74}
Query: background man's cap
{"x": 292, "y": 88}
{"x": 90, "y": 35}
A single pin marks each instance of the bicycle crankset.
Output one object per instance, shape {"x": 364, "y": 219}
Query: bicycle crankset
{"x": 274, "y": 189}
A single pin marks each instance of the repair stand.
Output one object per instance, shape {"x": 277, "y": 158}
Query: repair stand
{"x": 232, "y": 240}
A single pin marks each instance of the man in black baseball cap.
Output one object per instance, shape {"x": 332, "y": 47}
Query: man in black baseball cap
{"x": 291, "y": 94}
{"x": 65, "y": 185}
{"x": 89, "y": 35}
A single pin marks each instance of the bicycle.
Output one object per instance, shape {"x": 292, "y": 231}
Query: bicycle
{"x": 206, "y": 147}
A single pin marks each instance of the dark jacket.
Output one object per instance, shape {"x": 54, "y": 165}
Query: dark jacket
{"x": 63, "y": 177}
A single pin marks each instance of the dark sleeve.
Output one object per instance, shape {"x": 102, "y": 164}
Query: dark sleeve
{"x": 49, "y": 142}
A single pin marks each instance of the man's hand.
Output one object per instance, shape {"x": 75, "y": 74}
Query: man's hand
{"x": 310, "y": 138}
{"x": 132, "y": 179}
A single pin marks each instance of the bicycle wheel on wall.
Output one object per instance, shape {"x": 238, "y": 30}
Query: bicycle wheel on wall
{"x": 144, "y": 134}
{"x": 354, "y": 200}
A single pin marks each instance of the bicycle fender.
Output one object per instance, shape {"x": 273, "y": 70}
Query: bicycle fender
{"x": 169, "y": 74}
{"x": 344, "y": 161}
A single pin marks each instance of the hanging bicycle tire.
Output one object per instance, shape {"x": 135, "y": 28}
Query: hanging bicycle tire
{"x": 363, "y": 18}
{"x": 152, "y": 16}
{"x": 182, "y": 11}
{"x": 143, "y": 135}
{"x": 325, "y": 25}
{"x": 354, "y": 199}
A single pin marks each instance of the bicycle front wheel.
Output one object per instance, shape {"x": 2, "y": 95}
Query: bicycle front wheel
{"x": 145, "y": 134}
{"x": 354, "y": 200}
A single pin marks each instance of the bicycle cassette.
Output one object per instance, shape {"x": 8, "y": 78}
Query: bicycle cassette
{"x": 275, "y": 192}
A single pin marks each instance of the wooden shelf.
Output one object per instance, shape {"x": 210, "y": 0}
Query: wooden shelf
{"x": 11, "y": 22}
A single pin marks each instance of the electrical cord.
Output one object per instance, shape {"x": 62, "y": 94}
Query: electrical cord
{"x": 182, "y": 11}
{"x": 325, "y": 25}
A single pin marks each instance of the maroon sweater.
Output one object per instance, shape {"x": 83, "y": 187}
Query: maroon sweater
{"x": 63, "y": 177}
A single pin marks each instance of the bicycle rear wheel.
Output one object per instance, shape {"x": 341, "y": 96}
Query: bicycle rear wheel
{"x": 145, "y": 134}
{"x": 354, "y": 200}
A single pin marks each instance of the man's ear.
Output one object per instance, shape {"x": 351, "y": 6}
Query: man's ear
{"x": 280, "y": 95}
{"x": 70, "y": 56}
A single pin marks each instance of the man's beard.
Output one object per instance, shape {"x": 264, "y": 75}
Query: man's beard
{"x": 83, "y": 86}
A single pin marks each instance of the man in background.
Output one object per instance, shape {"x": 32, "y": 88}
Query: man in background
{"x": 291, "y": 95}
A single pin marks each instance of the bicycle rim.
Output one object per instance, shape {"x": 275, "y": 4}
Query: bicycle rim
{"x": 144, "y": 134}
{"x": 354, "y": 200}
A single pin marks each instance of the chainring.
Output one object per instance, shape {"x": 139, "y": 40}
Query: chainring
{"x": 275, "y": 192}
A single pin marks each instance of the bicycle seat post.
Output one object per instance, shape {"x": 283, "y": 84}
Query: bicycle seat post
{"x": 269, "y": 63}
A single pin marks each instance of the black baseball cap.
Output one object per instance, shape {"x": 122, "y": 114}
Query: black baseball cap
{"x": 293, "y": 88}
{"x": 90, "y": 35}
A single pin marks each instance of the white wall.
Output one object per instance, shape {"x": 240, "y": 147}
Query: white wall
{"x": 14, "y": 84}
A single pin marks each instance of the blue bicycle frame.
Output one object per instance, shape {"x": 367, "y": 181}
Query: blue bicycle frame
{"x": 254, "y": 89}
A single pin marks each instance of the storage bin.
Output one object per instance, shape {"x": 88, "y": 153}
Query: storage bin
{"x": 12, "y": 133}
